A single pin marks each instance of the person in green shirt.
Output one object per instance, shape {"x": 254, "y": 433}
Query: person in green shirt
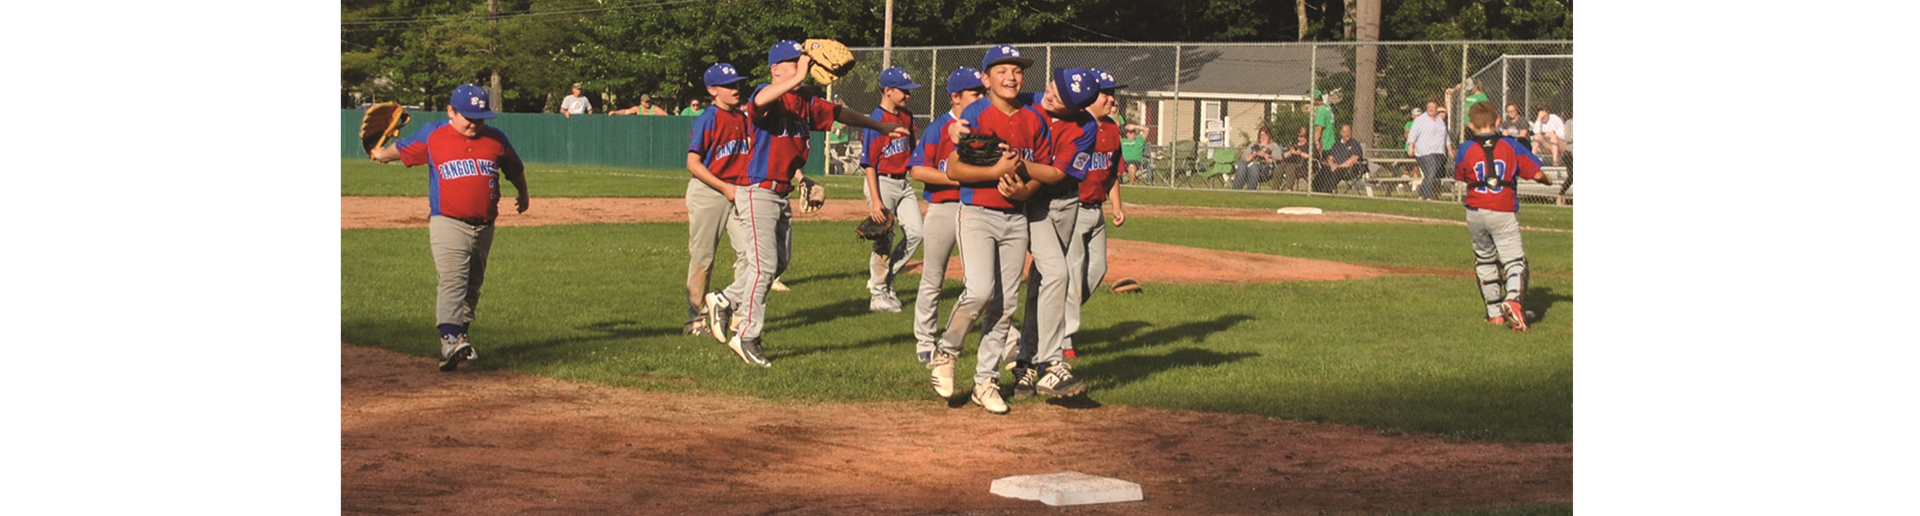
{"x": 1323, "y": 125}
{"x": 693, "y": 108}
{"x": 1133, "y": 149}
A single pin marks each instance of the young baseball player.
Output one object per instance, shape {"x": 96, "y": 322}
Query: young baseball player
{"x": 716, "y": 155}
{"x": 1087, "y": 246}
{"x": 1053, "y": 203}
{"x": 942, "y": 228}
{"x": 885, "y": 163}
{"x": 781, "y": 117}
{"x": 993, "y": 228}
{"x": 1492, "y": 166}
{"x": 466, "y": 159}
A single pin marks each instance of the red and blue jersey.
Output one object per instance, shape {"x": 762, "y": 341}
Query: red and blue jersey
{"x": 1103, "y": 164}
{"x": 1073, "y": 153}
{"x": 935, "y": 146}
{"x": 463, "y": 179}
{"x": 1492, "y": 166}
{"x": 1025, "y": 129}
{"x": 724, "y": 141}
{"x": 781, "y": 132}
{"x": 886, "y": 154}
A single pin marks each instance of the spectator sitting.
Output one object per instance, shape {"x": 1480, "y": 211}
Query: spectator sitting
{"x": 1293, "y": 162}
{"x": 1549, "y": 135}
{"x": 575, "y": 104}
{"x": 645, "y": 107}
{"x": 1133, "y": 149}
{"x": 1344, "y": 160}
{"x": 693, "y": 108}
{"x": 1517, "y": 128}
{"x": 1255, "y": 162}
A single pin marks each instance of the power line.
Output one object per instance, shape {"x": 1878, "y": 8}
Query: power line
{"x": 526, "y": 14}
{"x": 1057, "y": 17}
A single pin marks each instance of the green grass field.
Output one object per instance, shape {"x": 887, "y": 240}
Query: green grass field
{"x": 1401, "y": 354}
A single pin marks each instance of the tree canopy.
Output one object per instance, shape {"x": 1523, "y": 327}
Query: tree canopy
{"x": 415, "y": 51}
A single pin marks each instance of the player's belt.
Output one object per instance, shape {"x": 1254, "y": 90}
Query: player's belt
{"x": 778, "y": 187}
{"x": 1092, "y": 205}
{"x": 473, "y": 221}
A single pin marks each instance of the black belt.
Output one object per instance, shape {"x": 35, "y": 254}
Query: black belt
{"x": 473, "y": 221}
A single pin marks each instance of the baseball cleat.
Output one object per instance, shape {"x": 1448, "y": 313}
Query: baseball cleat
{"x": 454, "y": 350}
{"x": 1516, "y": 317}
{"x": 1500, "y": 320}
{"x": 1059, "y": 382}
{"x": 1024, "y": 378}
{"x": 778, "y": 286}
{"x": 718, "y": 309}
{"x": 987, "y": 395}
{"x": 749, "y": 351}
{"x": 696, "y": 327}
{"x": 942, "y": 366}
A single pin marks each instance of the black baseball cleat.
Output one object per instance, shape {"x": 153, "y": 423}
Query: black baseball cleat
{"x": 1059, "y": 382}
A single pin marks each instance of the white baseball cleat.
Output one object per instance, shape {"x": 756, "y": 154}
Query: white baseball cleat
{"x": 454, "y": 350}
{"x": 987, "y": 395}
{"x": 942, "y": 366}
{"x": 718, "y": 310}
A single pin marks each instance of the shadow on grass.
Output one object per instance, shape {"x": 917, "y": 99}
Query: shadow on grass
{"x": 1121, "y": 371}
{"x": 1541, "y": 300}
{"x": 794, "y": 282}
{"x": 1121, "y": 336}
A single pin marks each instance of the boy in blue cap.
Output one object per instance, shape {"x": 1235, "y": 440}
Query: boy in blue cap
{"x": 885, "y": 163}
{"x": 466, "y": 159}
{"x": 781, "y": 117}
{"x": 716, "y": 155}
{"x": 1052, "y": 207}
{"x": 942, "y": 228}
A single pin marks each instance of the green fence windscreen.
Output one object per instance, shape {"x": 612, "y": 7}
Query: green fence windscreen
{"x": 612, "y": 141}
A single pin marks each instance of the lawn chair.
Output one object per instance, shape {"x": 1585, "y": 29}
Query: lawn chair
{"x": 1220, "y": 170}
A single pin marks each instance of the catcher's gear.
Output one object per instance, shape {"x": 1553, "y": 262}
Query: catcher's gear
{"x": 381, "y": 124}
{"x": 980, "y": 150}
{"x": 831, "y": 60}
{"x": 870, "y": 229}
{"x": 812, "y": 196}
{"x": 1125, "y": 286}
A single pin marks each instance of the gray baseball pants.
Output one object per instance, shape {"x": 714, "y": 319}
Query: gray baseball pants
{"x": 993, "y": 247}
{"x": 942, "y": 233}
{"x": 896, "y": 194}
{"x": 460, "y": 257}
{"x": 763, "y": 231}
{"x": 1049, "y": 224}
{"x": 1086, "y": 266}
{"x": 1499, "y": 259}
{"x": 706, "y": 217}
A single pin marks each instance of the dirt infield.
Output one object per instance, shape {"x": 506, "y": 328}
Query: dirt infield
{"x": 414, "y": 440}
{"x": 1143, "y": 261}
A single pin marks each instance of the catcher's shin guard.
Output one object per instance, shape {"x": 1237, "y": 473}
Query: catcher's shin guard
{"x": 1517, "y": 273}
{"x": 1486, "y": 269}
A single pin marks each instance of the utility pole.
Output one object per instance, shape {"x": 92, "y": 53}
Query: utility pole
{"x": 1366, "y": 66}
{"x": 493, "y": 90}
{"x": 886, "y": 48}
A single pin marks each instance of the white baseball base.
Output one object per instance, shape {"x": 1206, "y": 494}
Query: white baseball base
{"x": 1298, "y": 211}
{"x": 1069, "y": 488}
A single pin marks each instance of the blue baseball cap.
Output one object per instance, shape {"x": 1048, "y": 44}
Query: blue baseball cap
{"x": 721, "y": 74}
{"x": 963, "y": 79}
{"x": 785, "y": 50}
{"x": 1106, "y": 79}
{"x": 1077, "y": 86}
{"x": 896, "y": 78}
{"x": 1004, "y": 54}
{"x": 471, "y": 102}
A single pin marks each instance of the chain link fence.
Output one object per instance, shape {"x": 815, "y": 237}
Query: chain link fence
{"x": 1198, "y": 106}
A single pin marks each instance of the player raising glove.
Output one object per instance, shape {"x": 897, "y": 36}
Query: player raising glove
{"x": 381, "y": 124}
{"x": 831, "y": 60}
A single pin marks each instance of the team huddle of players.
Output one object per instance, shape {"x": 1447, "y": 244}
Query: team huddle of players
{"x": 1044, "y": 197}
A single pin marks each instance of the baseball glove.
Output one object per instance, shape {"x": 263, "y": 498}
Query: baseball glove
{"x": 980, "y": 150}
{"x": 831, "y": 60}
{"x": 381, "y": 124}
{"x": 1126, "y": 286}
{"x": 870, "y": 229}
{"x": 812, "y": 195}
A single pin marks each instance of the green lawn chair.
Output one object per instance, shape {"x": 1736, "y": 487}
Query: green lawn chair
{"x": 1221, "y": 171}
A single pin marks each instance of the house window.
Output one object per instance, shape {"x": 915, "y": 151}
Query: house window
{"x": 1209, "y": 110}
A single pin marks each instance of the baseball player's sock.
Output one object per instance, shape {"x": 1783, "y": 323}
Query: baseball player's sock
{"x": 451, "y": 330}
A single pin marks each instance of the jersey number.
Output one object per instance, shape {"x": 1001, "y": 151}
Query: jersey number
{"x": 1490, "y": 184}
